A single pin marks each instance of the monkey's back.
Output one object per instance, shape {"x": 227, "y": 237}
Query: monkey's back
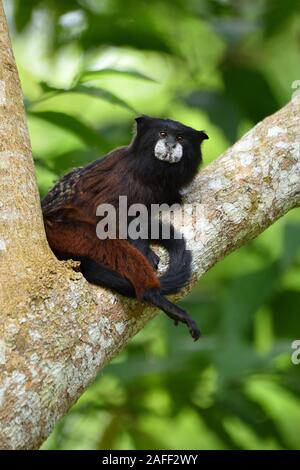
{"x": 84, "y": 188}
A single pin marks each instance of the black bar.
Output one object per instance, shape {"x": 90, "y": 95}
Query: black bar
{"x": 136, "y": 458}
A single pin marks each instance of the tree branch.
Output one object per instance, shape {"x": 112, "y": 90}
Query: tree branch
{"x": 57, "y": 331}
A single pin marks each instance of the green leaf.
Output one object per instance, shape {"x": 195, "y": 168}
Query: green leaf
{"x": 291, "y": 244}
{"x": 69, "y": 123}
{"x": 131, "y": 24}
{"x": 246, "y": 86}
{"x": 286, "y": 318}
{"x": 23, "y": 13}
{"x": 50, "y": 89}
{"x": 245, "y": 295}
{"x": 95, "y": 92}
{"x": 218, "y": 107}
{"x": 102, "y": 94}
{"x": 277, "y": 14}
{"x": 87, "y": 75}
{"x": 63, "y": 162}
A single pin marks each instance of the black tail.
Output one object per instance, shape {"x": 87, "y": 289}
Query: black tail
{"x": 179, "y": 270}
{"x": 172, "y": 281}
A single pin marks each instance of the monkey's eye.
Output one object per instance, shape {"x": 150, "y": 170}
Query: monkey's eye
{"x": 163, "y": 134}
{"x": 179, "y": 138}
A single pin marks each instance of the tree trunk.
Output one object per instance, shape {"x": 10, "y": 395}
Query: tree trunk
{"x": 57, "y": 331}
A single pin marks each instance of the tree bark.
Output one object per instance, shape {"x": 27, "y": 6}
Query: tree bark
{"x": 56, "y": 330}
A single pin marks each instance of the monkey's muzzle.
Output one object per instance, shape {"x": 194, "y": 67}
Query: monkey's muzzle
{"x": 168, "y": 153}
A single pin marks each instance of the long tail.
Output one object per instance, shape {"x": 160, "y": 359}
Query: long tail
{"x": 179, "y": 270}
{"x": 172, "y": 281}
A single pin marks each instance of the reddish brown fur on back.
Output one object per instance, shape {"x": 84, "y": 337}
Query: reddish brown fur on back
{"x": 79, "y": 239}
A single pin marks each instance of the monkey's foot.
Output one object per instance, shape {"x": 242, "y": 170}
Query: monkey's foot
{"x": 173, "y": 311}
{"x": 191, "y": 324}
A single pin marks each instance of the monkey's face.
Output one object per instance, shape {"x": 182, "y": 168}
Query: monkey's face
{"x": 168, "y": 147}
{"x": 168, "y": 141}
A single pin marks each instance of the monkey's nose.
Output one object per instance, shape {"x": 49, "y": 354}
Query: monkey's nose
{"x": 171, "y": 144}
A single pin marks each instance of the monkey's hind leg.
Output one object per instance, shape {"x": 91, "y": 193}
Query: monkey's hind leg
{"x": 100, "y": 275}
{"x": 79, "y": 240}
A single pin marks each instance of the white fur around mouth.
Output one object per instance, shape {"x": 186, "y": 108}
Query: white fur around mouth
{"x": 162, "y": 154}
{"x": 167, "y": 157}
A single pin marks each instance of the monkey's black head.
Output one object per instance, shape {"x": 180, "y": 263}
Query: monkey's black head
{"x": 169, "y": 141}
{"x": 168, "y": 148}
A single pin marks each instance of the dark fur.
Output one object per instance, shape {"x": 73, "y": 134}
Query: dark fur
{"x": 126, "y": 266}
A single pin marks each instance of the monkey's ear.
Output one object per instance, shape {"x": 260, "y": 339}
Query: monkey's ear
{"x": 142, "y": 119}
{"x": 202, "y": 135}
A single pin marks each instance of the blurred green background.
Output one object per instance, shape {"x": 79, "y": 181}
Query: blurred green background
{"x": 87, "y": 68}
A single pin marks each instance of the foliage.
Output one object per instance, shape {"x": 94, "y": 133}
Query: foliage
{"x": 87, "y": 67}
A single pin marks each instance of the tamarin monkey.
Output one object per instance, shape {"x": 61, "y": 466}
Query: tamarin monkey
{"x": 162, "y": 158}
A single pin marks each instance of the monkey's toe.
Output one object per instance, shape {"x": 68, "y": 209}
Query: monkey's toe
{"x": 194, "y": 330}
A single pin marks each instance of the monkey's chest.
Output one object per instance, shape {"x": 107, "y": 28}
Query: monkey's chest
{"x": 150, "y": 197}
